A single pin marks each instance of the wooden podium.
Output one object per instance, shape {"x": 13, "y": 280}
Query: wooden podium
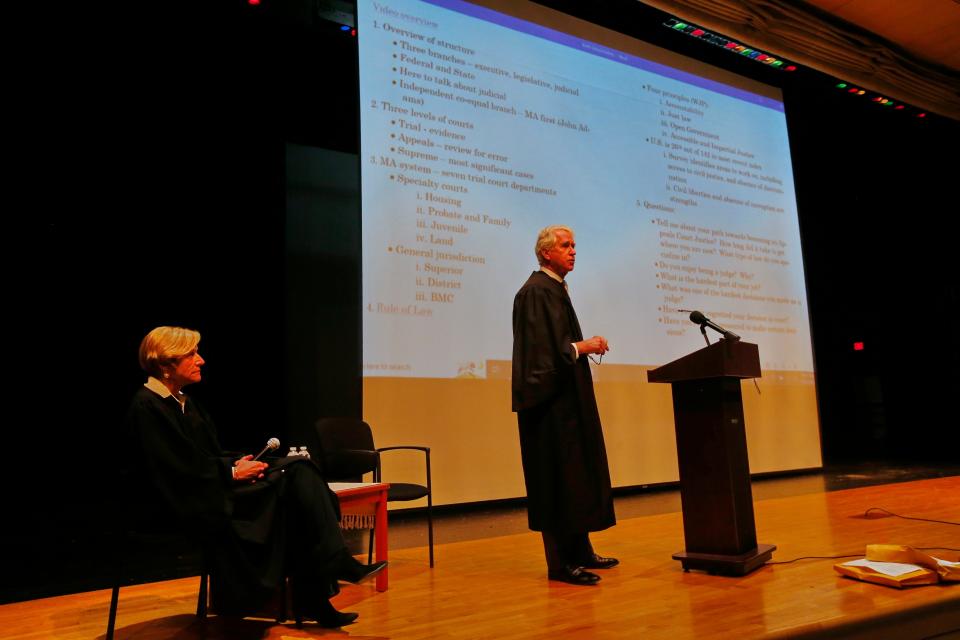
{"x": 718, "y": 525}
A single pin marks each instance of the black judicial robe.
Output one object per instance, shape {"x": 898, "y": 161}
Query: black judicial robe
{"x": 561, "y": 440}
{"x": 254, "y": 534}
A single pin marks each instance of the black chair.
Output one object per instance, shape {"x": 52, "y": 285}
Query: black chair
{"x": 150, "y": 557}
{"x": 145, "y": 549}
{"x": 348, "y": 453}
{"x": 153, "y": 557}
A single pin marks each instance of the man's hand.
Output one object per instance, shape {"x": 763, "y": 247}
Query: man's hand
{"x": 248, "y": 469}
{"x": 596, "y": 344}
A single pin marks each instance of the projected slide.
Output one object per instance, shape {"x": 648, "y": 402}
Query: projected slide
{"x": 479, "y": 128}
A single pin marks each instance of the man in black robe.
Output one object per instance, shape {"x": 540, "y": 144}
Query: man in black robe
{"x": 561, "y": 439}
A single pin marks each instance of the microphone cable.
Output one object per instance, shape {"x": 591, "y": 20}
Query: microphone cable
{"x": 866, "y": 514}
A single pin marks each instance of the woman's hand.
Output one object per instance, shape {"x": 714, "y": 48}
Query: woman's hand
{"x": 246, "y": 468}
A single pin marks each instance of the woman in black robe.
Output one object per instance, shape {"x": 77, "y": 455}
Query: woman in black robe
{"x": 258, "y": 523}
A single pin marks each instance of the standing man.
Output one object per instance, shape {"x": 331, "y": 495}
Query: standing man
{"x": 561, "y": 440}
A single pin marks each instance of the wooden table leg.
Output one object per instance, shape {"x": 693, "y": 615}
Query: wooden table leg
{"x": 380, "y": 539}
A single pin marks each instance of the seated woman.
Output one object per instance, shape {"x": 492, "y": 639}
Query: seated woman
{"x": 258, "y": 522}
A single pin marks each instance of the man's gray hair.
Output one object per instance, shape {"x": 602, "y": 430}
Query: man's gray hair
{"x": 547, "y": 239}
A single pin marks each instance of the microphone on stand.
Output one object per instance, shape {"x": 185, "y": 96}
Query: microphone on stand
{"x": 698, "y": 318}
{"x": 272, "y": 444}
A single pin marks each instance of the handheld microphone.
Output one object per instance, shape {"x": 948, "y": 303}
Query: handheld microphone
{"x": 698, "y": 318}
{"x": 272, "y": 444}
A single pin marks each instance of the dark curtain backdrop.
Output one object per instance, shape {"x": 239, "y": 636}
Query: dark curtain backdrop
{"x": 877, "y": 203}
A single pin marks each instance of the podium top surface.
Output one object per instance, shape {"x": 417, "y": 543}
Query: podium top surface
{"x": 722, "y": 359}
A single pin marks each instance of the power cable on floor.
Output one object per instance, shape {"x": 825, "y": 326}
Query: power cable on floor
{"x": 849, "y": 555}
{"x": 866, "y": 514}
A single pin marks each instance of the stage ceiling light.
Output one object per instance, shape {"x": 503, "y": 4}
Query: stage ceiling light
{"x": 876, "y": 98}
{"x": 726, "y": 43}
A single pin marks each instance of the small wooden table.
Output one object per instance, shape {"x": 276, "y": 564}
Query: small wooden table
{"x": 368, "y": 498}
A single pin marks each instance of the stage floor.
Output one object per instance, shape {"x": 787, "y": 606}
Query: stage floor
{"x": 408, "y": 527}
{"x": 495, "y": 587}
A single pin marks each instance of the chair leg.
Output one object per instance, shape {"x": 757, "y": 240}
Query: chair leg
{"x": 202, "y": 597}
{"x": 297, "y": 614}
{"x": 112, "y": 618}
{"x": 430, "y": 529}
{"x": 292, "y": 602}
{"x": 283, "y": 602}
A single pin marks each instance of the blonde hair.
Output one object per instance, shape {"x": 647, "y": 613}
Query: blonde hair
{"x": 547, "y": 239}
{"x": 163, "y": 345}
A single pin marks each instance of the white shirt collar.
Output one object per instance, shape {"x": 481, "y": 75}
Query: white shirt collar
{"x": 554, "y": 276}
{"x": 161, "y": 390}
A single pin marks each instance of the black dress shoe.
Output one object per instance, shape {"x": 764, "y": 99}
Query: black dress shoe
{"x": 337, "y": 619}
{"x": 599, "y": 562}
{"x": 573, "y": 575}
{"x": 352, "y": 570}
{"x": 327, "y": 616}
